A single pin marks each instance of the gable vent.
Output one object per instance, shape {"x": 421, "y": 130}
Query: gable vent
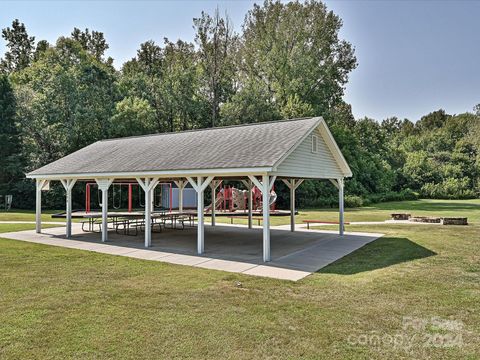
{"x": 314, "y": 144}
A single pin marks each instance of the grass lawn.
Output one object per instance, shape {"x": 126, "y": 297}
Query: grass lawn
{"x": 378, "y": 212}
{"x": 381, "y": 212}
{"x": 28, "y": 215}
{"x": 19, "y": 227}
{"x": 413, "y": 293}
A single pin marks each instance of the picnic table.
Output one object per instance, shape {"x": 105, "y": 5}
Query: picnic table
{"x": 124, "y": 221}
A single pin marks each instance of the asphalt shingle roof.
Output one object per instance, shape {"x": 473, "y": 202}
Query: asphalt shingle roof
{"x": 246, "y": 146}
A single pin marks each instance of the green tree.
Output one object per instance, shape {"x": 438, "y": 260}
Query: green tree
{"x": 168, "y": 78}
{"x": 94, "y": 42}
{"x": 251, "y": 103}
{"x": 217, "y": 48}
{"x": 150, "y": 58}
{"x": 294, "y": 50}
{"x": 20, "y": 48}
{"x": 141, "y": 78}
{"x": 392, "y": 126}
{"x": 476, "y": 109}
{"x": 65, "y": 101}
{"x": 441, "y": 155}
{"x": 10, "y": 163}
{"x": 42, "y": 47}
{"x": 133, "y": 116}
{"x": 434, "y": 120}
{"x": 184, "y": 106}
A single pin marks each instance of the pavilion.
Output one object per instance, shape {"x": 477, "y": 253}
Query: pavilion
{"x": 255, "y": 154}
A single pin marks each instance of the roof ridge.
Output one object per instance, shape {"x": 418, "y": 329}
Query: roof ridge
{"x": 207, "y": 129}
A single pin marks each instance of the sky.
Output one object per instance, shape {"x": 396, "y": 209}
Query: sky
{"x": 414, "y": 57}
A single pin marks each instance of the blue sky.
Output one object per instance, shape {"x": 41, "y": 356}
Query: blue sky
{"x": 414, "y": 56}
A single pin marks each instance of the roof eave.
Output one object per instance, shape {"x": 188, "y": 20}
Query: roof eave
{"x": 162, "y": 173}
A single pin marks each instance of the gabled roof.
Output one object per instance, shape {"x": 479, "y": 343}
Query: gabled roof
{"x": 260, "y": 145}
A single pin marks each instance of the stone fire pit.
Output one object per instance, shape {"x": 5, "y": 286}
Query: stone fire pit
{"x": 454, "y": 221}
{"x": 426, "y": 219}
{"x": 400, "y": 216}
{"x": 430, "y": 219}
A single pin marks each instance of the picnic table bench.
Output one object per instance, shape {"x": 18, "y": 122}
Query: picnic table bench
{"x": 96, "y": 220}
{"x": 127, "y": 224}
{"x": 130, "y": 224}
{"x": 257, "y": 219}
{"x": 308, "y": 222}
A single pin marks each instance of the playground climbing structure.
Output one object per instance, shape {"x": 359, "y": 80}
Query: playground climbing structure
{"x": 231, "y": 199}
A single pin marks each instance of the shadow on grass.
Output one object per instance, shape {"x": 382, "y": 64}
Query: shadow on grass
{"x": 379, "y": 254}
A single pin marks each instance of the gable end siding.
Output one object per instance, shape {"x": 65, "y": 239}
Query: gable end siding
{"x": 302, "y": 162}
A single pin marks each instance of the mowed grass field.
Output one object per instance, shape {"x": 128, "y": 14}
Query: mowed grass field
{"x": 28, "y": 215}
{"x": 381, "y": 212}
{"x": 412, "y": 294}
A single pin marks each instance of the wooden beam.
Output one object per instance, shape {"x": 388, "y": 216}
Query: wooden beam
{"x": 334, "y": 182}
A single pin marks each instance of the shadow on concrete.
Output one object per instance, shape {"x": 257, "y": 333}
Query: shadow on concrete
{"x": 305, "y": 251}
{"x": 382, "y": 253}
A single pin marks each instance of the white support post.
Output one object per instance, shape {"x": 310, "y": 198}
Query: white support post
{"x": 250, "y": 204}
{"x": 214, "y": 200}
{"x": 292, "y": 206}
{"x": 148, "y": 214}
{"x": 148, "y": 185}
{"x": 200, "y": 185}
{"x": 152, "y": 201}
{"x": 38, "y": 206}
{"x": 266, "y": 217}
{"x": 266, "y": 186}
{"x": 104, "y": 185}
{"x": 341, "y": 206}
{"x": 200, "y": 224}
{"x": 292, "y": 185}
{"x": 249, "y": 185}
{"x": 68, "y": 185}
{"x": 181, "y": 185}
{"x": 258, "y": 183}
{"x": 213, "y": 186}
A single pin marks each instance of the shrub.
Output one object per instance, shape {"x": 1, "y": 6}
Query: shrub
{"x": 450, "y": 188}
{"x": 409, "y": 194}
{"x": 352, "y": 201}
{"x": 406, "y": 194}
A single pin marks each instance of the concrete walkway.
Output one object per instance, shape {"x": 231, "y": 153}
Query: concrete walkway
{"x": 228, "y": 248}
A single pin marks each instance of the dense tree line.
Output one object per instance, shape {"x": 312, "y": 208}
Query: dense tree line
{"x": 288, "y": 61}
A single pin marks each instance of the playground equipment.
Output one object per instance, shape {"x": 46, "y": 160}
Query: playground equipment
{"x": 232, "y": 199}
{"x": 163, "y": 191}
{"x": 6, "y": 202}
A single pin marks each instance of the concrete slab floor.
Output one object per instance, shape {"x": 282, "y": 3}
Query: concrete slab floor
{"x": 228, "y": 248}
